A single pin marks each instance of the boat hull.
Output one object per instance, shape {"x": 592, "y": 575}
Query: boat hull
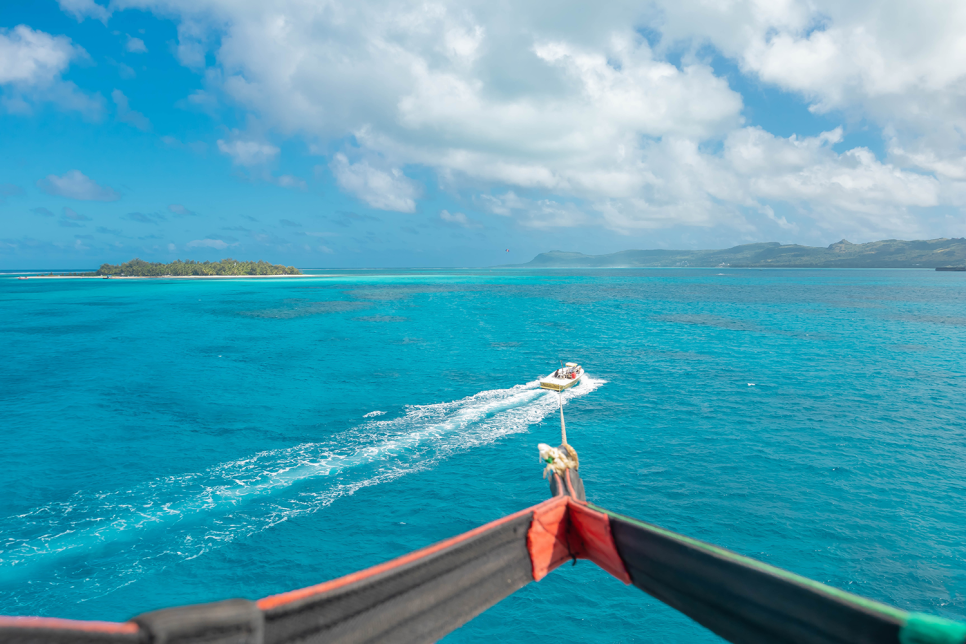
{"x": 559, "y": 384}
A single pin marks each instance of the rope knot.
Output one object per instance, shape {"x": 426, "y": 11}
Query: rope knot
{"x": 558, "y": 459}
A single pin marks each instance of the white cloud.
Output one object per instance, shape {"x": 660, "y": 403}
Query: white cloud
{"x": 290, "y": 181}
{"x": 897, "y": 64}
{"x": 503, "y": 205}
{"x": 135, "y": 45}
{"x": 82, "y": 9}
{"x": 459, "y": 219}
{"x": 207, "y": 243}
{"x": 191, "y": 43}
{"x": 32, "y": 57}
{"x": 31, "y": 65}
{"x": 808, "y": 170}
{"x": 889, "y": 56}
{"x": 76, "y": 185}
{"x": 782, "y": 222}
{"x": 390, "y": 190}
{"x": 126, "y": 115}
{"x": 200, "y": 100}
{"x": 541, "y": 213}
{"x": 248, "y": 153}
{"x": 576, "y": 120}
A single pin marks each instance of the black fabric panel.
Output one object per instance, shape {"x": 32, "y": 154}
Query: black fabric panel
{"x": 578, "y": 484}
{"x": 561, "y": 490}
{"x": 13, "y": 635}
{"x": 740, "y": 603}
{"x": 417, "y": 602}
{"x": 233, "y": 621}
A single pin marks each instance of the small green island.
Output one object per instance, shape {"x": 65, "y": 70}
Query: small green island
{"x": 225, "y": 268}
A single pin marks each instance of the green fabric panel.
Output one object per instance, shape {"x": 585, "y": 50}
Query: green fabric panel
{"x": 926, "y": 629}
{"x": 841, "y": 595}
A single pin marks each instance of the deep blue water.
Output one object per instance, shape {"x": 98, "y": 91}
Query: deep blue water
{"x": 171, "y": 442}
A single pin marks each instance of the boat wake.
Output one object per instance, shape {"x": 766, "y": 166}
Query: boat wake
{"x": 130, "y": 533}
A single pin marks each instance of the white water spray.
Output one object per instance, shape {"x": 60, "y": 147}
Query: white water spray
{"x": 198, "y": 512}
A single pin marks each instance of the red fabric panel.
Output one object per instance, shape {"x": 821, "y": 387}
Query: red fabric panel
{"x": 548, "y": 537}
{"x": 281, "y": 599}
{"x": 598, "y": 543}
{"x": 566, "y": 528}
{"x": 68, "y": 624}
{"x": 570, "y": 487}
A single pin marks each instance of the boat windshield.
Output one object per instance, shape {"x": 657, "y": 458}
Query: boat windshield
{"x": 566, "y": 372}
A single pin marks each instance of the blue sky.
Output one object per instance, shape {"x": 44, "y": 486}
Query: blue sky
{"x": 421, "y": 134}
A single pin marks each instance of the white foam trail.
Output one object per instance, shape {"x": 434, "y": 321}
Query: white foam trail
{"x": 373, "y": 414}
{"x": 199, "y": 512}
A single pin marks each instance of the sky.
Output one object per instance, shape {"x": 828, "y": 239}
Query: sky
{"x": 336, "y": 133}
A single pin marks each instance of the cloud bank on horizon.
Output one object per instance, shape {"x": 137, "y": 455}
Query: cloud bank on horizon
{"x": 441, "y": 132}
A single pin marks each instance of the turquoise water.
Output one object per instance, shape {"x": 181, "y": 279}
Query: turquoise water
{"x": 170, "y": 442}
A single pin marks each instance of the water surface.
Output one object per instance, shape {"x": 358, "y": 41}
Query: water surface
{"x": 170, "y": 442}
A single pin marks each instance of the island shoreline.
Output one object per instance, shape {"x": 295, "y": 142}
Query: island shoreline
{"x": 160, "y": 277}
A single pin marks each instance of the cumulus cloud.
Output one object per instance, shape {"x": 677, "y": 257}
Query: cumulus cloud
{"x": 43, "y": 212}
{"x": 126, "y": 115}
{"x": 200, "y": 100}
{"x": 808, "y": 170}
{"x": 458, "y": 218}
{"x": 83, "y": 9}
{"x": 31, "y": 65}
{"x": 74, "y": 184}
{"x": 579, "y": 120}
{"x": 248, "y": 153}
{"x": 290, "y": 181}
{"x": 207, "y": 243}
{"x": 838, "y": 54}
{"x": 385, "y": 190}
{"x": 192, "y": 42}
{"x": 135, "y": 45}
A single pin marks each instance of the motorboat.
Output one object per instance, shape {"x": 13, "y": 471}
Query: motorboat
{"x": 563, "y": 378}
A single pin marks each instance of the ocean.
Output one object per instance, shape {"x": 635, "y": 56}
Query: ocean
{"x": 169, "y": 442}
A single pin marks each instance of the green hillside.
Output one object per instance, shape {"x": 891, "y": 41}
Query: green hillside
{"x": 890, "y": 253}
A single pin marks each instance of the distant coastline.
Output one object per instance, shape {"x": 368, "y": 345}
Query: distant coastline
{"x": 890, "y": 253}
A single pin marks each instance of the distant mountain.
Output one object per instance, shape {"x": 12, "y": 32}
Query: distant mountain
{"x": 890, "y": 253}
